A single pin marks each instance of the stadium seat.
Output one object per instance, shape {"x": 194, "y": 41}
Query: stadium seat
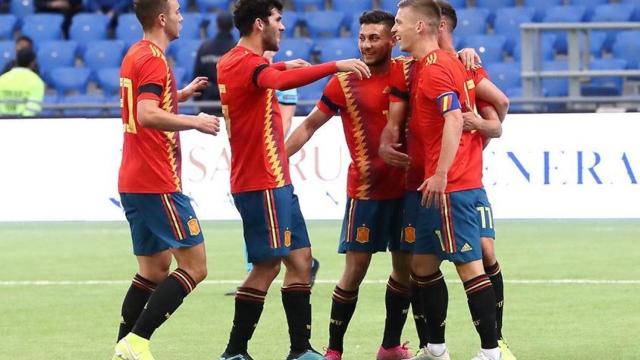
{"x": 191, "y": 26}
{"x": 290, "y": 19}
{"x": 307, "y": 5}
{"x": 87, "y": 27}
{"x": 494, "y": 5}
{"x": 540, "y": 6}
{"x": 108, "y": 80}
{"x": 7, "y": 26}
{"x": 174, "y": 46}
{"x": 337, "y": 49}
{"x": 605, "y": 86}
{"x": 67, "y": 79}
{"x": 555, "y": 86}
{"x": 507, "y": 23}
{"x": 82, "y": 99}
{"x": 129, "y": 29}
{"x": 54, "y": 54}
{"x": 295, "y": 48}
{"x": 181, "y": 77}
{"x": 627, "y": 47}
{"x": 612, "y": 13}
{"x": 185, "y": 55}
{"x": 352, "y": 9}
{"x": 504, "y": 75}
{"x": 49, "y": 99}
{"x": 564, "y": 14}
{"x": 513, "y": 93}
{"x": 22, "y": 8}
{"x": 42, "y": 27}
{"x": 324, "y": 23}
{"x": 395, "y": 52}
{"x": 471, "y": 21}
{"x": 103, "y": 54}
{"x": 489, "y": 47}
{"x": 209, "y": 5}
{"x": 596, "y": 43}
{"x": 591, "y": 6}
{"x": 547, "y": 41}
{"x": 311, "y": 92}
{"x": 7, "y": 52}
{"x": 636, "y": 3}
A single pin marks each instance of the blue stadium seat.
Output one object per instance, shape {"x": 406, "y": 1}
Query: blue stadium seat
{"x": 312, "y": 92}
{"x": 209, "y": 5}
{"x": 129, "y": 29}
{"x": 87, "y": 27}
{"x": 50, "y": 99}
{"x": 352, "y": 9}
{"x": 636, "y": 3}
{"x": 115, "y": 111}
{"x": 541, "y": 6}
{"x": 389, "y": 5}
{"x": 337, "y": 49}
{"x": 612, "y": 13}
{"x": 54, "y": 54}
{"x": 472, "y": 21}
{"x": 307, "y": 5}
{"x": 191, "y": 26}
{"x": 547, "y": 41}
{"x": 591, "y": 6}
{"x": 7, "y": 26}
{"x": 290, "y": 19}
{"x": 67, "y": 79}
{"x": 597, "y": 41}
{"x": 181, "y": 77}
{"x": 494, "y": 5}
{"x": 42, "y": 27}
{"x": 7, "y": 52}
{"x": 82, "y": 99}
{"x": 511, "y": 93}
{"x": 605, "y": 86}
{"x": 566, "y": 14}
{"x": 395, "y": 52}
{"x": 505, "y": 75}
{"x": 507, "y": 23}
{"x": 627, "y": 47}
{"x": 324, "y": 23}
{"x": 22, "y": 8}
{"x": 185, "y": 55}
{"x": 489, "y": 47}
{"x": 295, "y": 48}
{"x": 108, "y": 80}
{"x": 103, "y": 54}
{"x": 555, "y": 86}
{"x": 174, "y": 46}
{"x": 354, "y": 28}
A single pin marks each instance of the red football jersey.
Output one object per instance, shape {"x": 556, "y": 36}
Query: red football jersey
{"x": 363, "y": 106}
{"x": 253, "y": 122}
{"x": 445, "y": 85}
{"x": 151, "y": 159}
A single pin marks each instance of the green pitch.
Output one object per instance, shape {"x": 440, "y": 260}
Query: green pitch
{"x": 70, "y": 318}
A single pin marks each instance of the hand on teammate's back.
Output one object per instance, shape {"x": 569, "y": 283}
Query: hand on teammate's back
{"x": 297, "y": 63}
{"x": 356, "y": 66}
{"x": 207, "y": 124}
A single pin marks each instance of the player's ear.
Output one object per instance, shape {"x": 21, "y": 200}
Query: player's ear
{"x": 259, "y": 24}
{"x": 162, "y": 19}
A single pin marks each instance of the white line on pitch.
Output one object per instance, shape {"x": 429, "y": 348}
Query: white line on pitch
{"x": 319, "y": 281}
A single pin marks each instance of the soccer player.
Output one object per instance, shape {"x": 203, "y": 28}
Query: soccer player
{"x": 373, "y": 215}
{"x": 447, "y": 225}
{"x": 163, "y": 223}
{"x": 274, "y": 229}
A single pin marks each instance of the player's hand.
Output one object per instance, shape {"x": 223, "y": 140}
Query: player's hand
{"x": 393, "y": 157}
{"x": 354, "y": 65}
{"x": 207, "y": 124}
{"x": 433, "y": 190}
{"x": 195, "y": 88}
{"x": 470, "y": 58}
{"x": 295, "y": 64}
{"x": 471, "y": 121}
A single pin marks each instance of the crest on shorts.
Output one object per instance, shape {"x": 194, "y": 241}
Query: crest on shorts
{"x": 287, "y": 238}
{"x": 194, "y": 227}
{"x": 410, "y": 234}
{"x": 362, "y": 235}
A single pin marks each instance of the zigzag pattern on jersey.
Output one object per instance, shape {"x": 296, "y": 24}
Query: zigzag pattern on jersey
{"x": 270, "y": 142}
{"x": 362, "y": 159}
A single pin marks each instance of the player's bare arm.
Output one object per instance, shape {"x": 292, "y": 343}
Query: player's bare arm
{"x": 489, "y": 92}
{"x": 390, "y": 138}
{"x": 150, "y": 115}
{"x": 470, "y": 58}
{"x": 303, "y": 133}
{"x": 193, "y": 89}
{"x": 433, "y": 187}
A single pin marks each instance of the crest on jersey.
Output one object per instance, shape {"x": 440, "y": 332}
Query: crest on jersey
{"x": 194, "y": 227}
{"x": 362, "y": 235}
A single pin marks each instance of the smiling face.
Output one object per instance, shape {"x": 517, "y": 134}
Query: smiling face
{"x": 271, "y": 30}
{"x": 405, "y": 29}
{"x": 375, "y": 42}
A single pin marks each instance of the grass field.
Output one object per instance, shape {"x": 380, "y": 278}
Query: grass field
{"x": 85, "y": 268}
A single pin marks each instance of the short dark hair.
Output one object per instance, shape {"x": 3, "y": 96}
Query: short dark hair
{"x": 449, "y": 12}
{"x": 24, "y": 38}
{"x": 148, "y": 10}
{"x": 25, "y": 57}
{"x": 428, "y": 8}
{"x": 246, "y": 12}
{"x": 377, "y": 17}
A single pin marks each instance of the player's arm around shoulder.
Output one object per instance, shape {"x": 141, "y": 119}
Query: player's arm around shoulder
{"x": 486, "y": 90}
{"x": 150, "y": 115}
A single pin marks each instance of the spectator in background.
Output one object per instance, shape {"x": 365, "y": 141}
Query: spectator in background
{"x": 68, "y": 8}
{"x": 111, "y": 8}
{"x": 22, "y": 42}
{"x": 21, "y": 89}
{"x": 208, "y": 56}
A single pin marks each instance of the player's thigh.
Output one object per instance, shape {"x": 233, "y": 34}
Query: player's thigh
{"x": 427, "y": 231}
{"x": 410, "y": 210}
{"x": 460, "y": 227}
{"x": 298, "y": 228}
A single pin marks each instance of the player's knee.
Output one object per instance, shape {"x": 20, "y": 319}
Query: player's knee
{"x": 488, "y": 252}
